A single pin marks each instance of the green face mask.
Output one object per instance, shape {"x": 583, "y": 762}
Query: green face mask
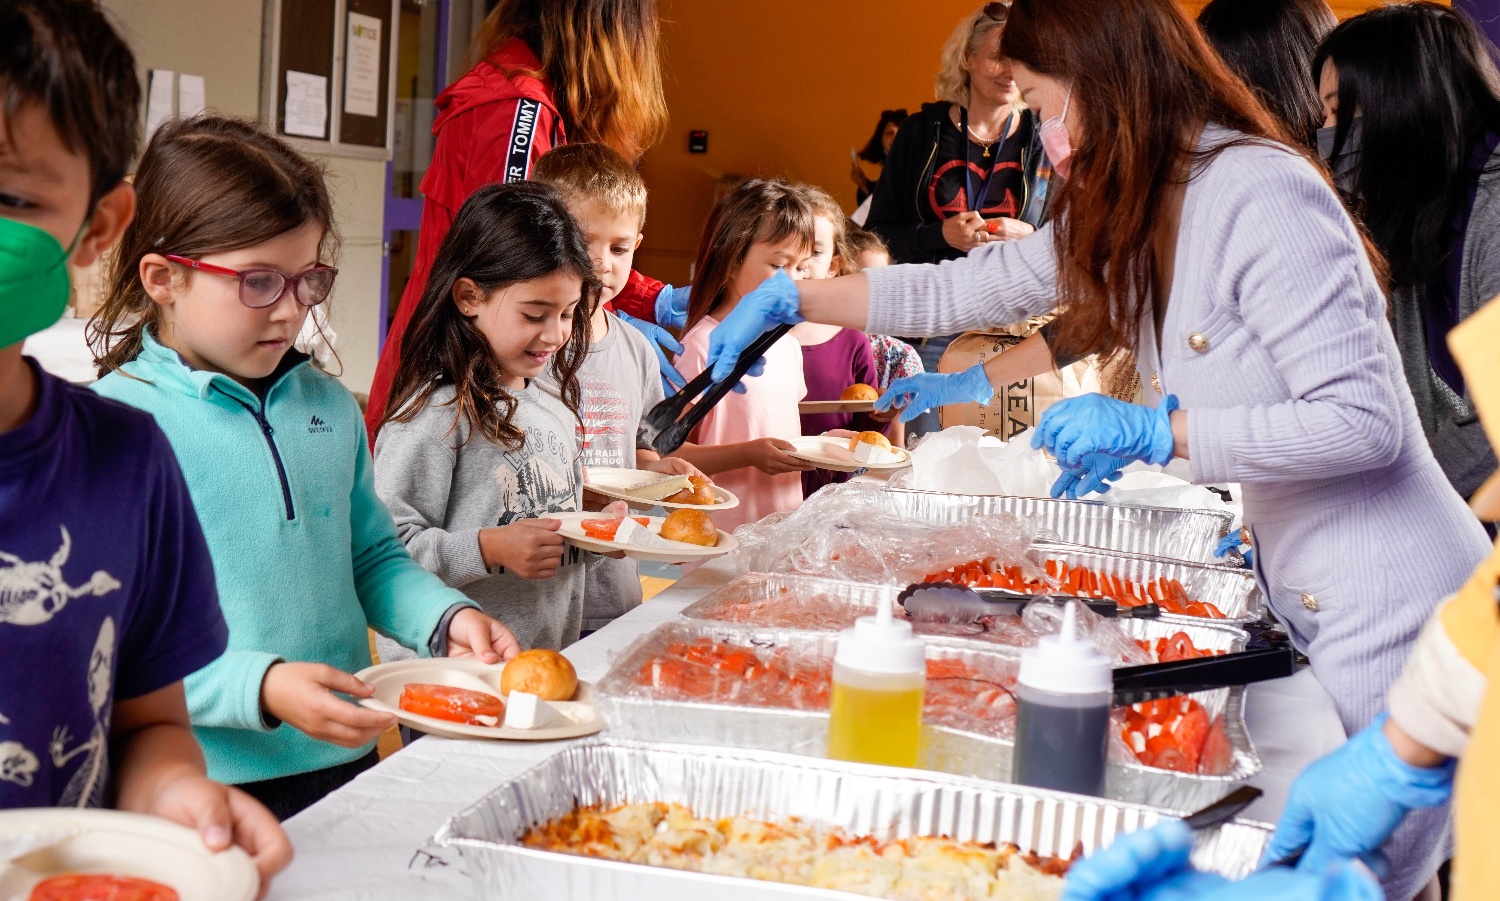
{"x": 34, "y": 281}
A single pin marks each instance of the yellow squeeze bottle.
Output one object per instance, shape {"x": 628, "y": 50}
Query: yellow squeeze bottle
{"x": 879, "y": 673}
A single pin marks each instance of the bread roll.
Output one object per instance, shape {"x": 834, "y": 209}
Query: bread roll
{"x": 546, "y": 674}
{"x": 690, "y": 527}
{"x": 860, "y": 392}
{"x": 874, "y": 438}
{"x": 700, "y": 492}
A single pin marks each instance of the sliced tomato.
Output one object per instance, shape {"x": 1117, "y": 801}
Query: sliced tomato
{"x": 1178, "y": 647}
{"x": 455, "y": 705}
{"x": 100, "y": 887}
{"x": 605, "y": 529}
{"x": 1192, "y": 733}
{"x": 1218, "y": 753}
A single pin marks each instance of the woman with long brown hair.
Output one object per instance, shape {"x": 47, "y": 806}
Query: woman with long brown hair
{"x": 1192, "y": 231}
{"x": 546, "y": 72}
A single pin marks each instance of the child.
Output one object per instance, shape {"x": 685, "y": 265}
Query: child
{"x": 108, "y": 597}
{"x": 759, "y": 227}
{"x": 894, "y": 358}
{"x": 208, "y": 288}
{"x": 473, "y": 454}
{"x": 619, "y": 380}
{"x": 833, "y": 358}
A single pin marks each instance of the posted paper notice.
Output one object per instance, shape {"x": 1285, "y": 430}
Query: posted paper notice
{"x": 158, "y": 100}
{"x": 362, "y": 66}
{"x": 306, "y": 105}
{"x": 191, "y": 95}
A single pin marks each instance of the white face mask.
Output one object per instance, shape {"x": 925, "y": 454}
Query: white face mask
{"x": 1055, "y": 139}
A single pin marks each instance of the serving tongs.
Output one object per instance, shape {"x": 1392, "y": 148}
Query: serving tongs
{"x": 1154, "y": 681}
{"x": 667, "y": 427}
{"x": 946, "y": 602}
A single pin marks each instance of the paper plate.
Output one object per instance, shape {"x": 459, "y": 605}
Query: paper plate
{"x": 388, "y": 679}
{"x": 833, "y": 454}
{"x": 836, "y": 406}
{"x": 573, "y": 534}
{"x": 612, "y": 482}
{"x": 125, "y": 844}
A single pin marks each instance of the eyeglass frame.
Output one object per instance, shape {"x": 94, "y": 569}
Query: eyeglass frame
{"x": 291, "y": 283}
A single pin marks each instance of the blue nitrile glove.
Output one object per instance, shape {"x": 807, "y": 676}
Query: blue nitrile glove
{"x": 672, "y": 306}
{"x": 916, "y": 394}
{"x": 1347, "y": 804}
{"x": 664, "y": 344}
{"x": 1093, "y": 475}
{"x": 775, "y": 302}
{"x": 1232, "y": 542}
{"x": 1152, "y": 865}
{"x": 1094, "y": 423}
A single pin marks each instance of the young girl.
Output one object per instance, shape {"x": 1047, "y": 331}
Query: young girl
{"x": 894, "y": 358}
{"x": 759, "y": 227}
{"x": 209, "y": 287}
{"x": 473, "y": 454}
{"x": 833, "y": 358}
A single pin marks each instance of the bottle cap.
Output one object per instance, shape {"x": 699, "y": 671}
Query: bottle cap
{"x": 1067, "y": 663}
{"x": 881, "y": 644}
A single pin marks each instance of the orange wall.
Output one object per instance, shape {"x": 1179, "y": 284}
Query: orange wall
{"x": 786, "y": 87}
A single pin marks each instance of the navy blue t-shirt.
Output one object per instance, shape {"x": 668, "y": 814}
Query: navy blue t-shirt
{"x": 106, "y": 589}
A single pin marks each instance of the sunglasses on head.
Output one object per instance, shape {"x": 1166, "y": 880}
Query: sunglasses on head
{"x": 997, "y": 11}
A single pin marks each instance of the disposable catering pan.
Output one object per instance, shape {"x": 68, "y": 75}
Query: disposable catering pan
{"x": 1231, "y": 589}
{"x": 882, "y": 802}
{"x": 1170, "y": 532}
{"x": 965, "y": 743}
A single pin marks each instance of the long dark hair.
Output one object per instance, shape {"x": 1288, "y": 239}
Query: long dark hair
{"x": 504, "y": 234}
{"x": 208, "y": 184}
{"x": 755, "y": 210}
{"x": 874, "y": 149}
{"x": 1422, "y": 80}
{"x": 600, "y": 58}
{"x": 1145, "y": 83}
{"x": 1271, "y": 44}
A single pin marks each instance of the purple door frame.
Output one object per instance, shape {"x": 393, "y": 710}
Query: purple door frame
{"x": 405, "y": 213}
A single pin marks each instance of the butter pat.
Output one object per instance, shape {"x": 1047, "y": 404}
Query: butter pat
{"x": 527, "y": 711}
{"x": 632, "y": 532}
{"x": 874, "y": 455}
{"x": 659, "y": 489}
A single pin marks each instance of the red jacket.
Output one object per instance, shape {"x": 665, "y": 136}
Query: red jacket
{"x": 638, "y": 297}
{"x": 490, "y": 127}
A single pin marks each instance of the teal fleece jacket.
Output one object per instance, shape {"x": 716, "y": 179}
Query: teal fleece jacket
{"x": 305, "y": 555}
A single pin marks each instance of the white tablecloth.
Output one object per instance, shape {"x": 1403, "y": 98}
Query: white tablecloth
{"x": 372, "y": 839}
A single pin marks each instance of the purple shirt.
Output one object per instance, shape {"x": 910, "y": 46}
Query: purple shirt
{"x": 829, "y": 368}
{"x": 106, "y": 589}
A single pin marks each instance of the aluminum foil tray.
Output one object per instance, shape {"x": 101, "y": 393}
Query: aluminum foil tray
{"x": 1169, "y": 532}
{"x": 634, "y": 712}
{"x": 1232, "y": 589}
{"x": 779, "y": 600}
{"x": 718, "y": 782}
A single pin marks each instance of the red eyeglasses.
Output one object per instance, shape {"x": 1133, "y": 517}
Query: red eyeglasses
{"x": 261, "y": 288}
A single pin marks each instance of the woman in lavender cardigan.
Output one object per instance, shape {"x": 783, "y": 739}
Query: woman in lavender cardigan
{"x": 1201, "y": 241}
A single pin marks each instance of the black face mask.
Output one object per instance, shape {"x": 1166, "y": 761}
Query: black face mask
{"x": 1348, "y": 159}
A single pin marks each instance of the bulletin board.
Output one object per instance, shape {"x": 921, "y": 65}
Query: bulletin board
{"x": 329, "y": 70}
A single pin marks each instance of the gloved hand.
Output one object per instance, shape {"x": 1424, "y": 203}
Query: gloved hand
{"x": 1234, "y": 541}
{"x": 775, "y": 302}
{"x": 672, "y": 307}
{"x": 1152, "y": 865}
{"x": 1348, "y": 803}
{"x": 1095, "y": 473}
{"x": 916, "y": 394}
{"x": 664, "y": 344}
{"x": 1094, "y": 423}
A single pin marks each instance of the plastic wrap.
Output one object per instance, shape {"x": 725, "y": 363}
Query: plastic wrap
{"x": 849, "y": 532}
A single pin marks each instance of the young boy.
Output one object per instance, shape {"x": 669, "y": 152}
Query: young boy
{"x": 107, "y": 593}
{"x": 620, "y": 378}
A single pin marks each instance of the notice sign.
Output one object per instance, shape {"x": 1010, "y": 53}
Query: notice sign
{"x": 306, "y": 105}
{"x": 362, "y": 66}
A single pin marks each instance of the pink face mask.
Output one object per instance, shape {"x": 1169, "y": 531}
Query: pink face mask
{"x": 1056, "y": 142}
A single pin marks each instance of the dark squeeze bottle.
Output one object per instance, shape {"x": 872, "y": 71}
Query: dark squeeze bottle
{"x": 1063, "y": 699}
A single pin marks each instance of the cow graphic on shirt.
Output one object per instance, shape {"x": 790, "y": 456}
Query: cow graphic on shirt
{"x": 32, "y": 593}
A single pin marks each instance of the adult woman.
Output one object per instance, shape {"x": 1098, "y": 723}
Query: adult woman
{"x": 1270, "y": 44}
{"x": 875, "y": 151}
{"x": 1268, "y": 326}
{"x": 1419, "y": 79}
{"x": 546, "y": 72}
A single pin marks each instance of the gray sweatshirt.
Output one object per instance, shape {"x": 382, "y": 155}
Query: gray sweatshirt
{"x": 620, "y": 380}
{"x": 443, "y": 484}
{"x": 1450, "y": 422}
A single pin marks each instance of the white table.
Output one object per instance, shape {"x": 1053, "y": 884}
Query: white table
{"x": 371, "y": 840}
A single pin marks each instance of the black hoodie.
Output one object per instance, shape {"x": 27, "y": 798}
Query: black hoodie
{"x": 911, "y": 230}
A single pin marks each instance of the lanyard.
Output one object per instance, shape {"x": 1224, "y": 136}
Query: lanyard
{"x": 976, "y": 199}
